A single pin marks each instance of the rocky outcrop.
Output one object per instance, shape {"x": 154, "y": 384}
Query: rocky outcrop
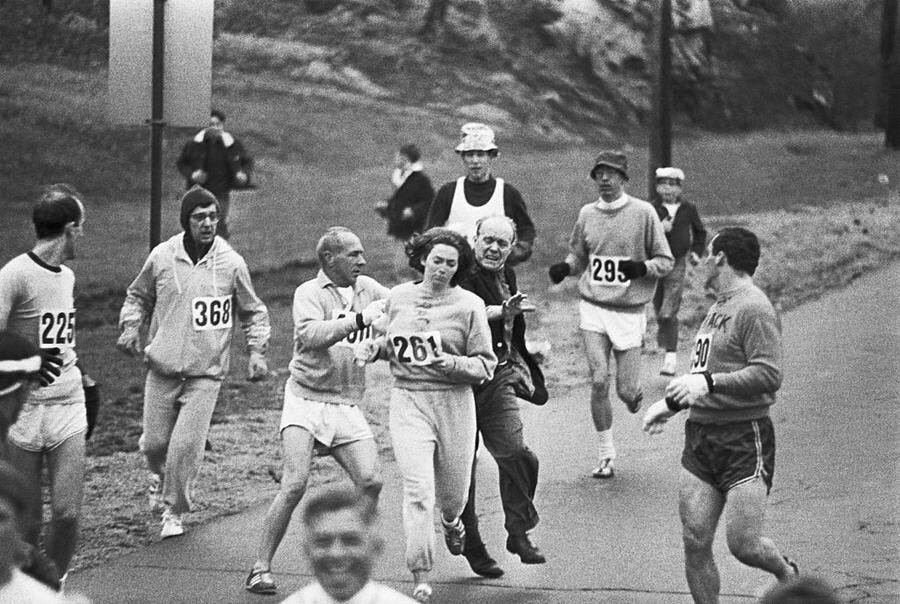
{"x": 614, "y": 37}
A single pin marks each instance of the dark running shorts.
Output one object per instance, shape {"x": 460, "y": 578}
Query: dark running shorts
{"x": 726, "y": 455}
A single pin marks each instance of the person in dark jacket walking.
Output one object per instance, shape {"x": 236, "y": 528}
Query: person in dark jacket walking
{"x": 217, "y": 161}
{"x": 687, "y": 240}
{"x": 517, "y": 378}
{"x": 407, "y": 208}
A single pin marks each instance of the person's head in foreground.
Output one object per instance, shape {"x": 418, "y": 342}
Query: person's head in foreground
{"x": 340, "y": 541}
{"x": 803, "y": 590}
{"x": 442, "y": 255}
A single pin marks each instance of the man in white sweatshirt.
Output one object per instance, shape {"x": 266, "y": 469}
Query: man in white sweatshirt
{"x": 186, "y": 297}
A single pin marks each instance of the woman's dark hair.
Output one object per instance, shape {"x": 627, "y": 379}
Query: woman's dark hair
{"x": 420, "y": 246}
{"x": 741, "y": 248}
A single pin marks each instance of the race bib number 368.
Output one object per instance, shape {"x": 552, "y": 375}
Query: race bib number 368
{"x": 417, "y": 348}
{"x": 211, "y": 312}
{"x": 56, "y": 328}
{"x": 605, "y": 271}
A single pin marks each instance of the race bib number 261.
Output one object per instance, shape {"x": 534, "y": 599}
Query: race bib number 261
{"x": 211, "y": 312}
{"x": 417, "y": 348}
{"x": 56, "y": 328}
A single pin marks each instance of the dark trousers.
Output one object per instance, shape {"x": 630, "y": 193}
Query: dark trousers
{"x": 497, "y": 416}
{"x": 666, "y": 304}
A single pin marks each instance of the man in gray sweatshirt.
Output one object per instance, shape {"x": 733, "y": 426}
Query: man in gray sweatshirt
{"x": 618, "y": 250}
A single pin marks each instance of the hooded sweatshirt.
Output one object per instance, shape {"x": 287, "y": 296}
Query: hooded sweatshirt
{"x": 192, "y": 308}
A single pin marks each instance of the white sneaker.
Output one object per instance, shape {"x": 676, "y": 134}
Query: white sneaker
{"x": 422, "y": 592}
{"x": 670, "y": 364}
{"x": 604, "y": 469}
{"x": 154, "y": 496}
{"x": 171, "y": 525}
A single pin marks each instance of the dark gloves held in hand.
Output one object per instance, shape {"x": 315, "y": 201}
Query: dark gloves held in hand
{"x": 559, "y": 271}
{"x": 51, "y": 366}
{"x": 632, "y": 269}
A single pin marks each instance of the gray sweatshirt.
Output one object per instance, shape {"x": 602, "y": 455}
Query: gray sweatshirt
{"x": 744, "y": 356}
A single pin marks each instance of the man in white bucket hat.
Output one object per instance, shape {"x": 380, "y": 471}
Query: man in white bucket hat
{"x": 460, "y": 204}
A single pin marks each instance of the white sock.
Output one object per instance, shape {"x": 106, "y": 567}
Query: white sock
{"x": 607, "y": 448}
{"x": 672, "y": 358}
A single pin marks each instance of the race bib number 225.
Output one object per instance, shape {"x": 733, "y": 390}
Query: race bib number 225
{"x": 56, "y": 328}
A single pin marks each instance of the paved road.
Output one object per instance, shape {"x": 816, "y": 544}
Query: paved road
{"x": 834, "y": 507}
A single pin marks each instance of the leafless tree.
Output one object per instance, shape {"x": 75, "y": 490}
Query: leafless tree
{"x": 435, "y": 17}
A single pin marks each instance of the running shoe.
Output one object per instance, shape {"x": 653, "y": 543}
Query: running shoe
{"x": 422, "y": 592}
{"x": 154, "y": 496}
{"x": 604, "y": 470}
{"x": 455, "y": 536}
{"x": 670, "y": 364}
{"x": 260, "y": 582}
{"x": 793, "y": 565}
{"x": 171, "y": 525}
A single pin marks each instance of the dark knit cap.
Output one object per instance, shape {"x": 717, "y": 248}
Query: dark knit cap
{"x": 196, "y": 197}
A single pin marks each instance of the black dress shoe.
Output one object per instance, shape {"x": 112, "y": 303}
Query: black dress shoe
{"x": 526, "y": 550}
{"x": 482, "y": 563}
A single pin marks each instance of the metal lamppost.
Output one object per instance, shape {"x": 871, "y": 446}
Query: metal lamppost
{"x": 661, "y": 112}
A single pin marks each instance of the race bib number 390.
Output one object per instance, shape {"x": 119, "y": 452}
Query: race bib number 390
{"x": 56, "y": 328}
{"x": 605, "y": 271}
{"x": 417, "y": 348}
{"x": 700, "y": 354}
{"x": 211, "y": 312}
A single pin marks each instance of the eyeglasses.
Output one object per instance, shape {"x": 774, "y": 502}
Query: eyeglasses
{"x": 201, "y": 217}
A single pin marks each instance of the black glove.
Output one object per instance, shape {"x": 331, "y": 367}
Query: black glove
{"x": 91, "y": 405}
{"x": 632, "y": 269}
{"x": 51, "y": 366}
{"x": 559, "y": 271}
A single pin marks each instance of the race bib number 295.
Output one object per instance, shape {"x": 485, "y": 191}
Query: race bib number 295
{"x": 604, "y": 271}
{"x": 211, "y": 312}
{"x": 56, "y": 328}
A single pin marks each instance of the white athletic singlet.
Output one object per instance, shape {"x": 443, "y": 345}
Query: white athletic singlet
{"x": 464, "y": 215}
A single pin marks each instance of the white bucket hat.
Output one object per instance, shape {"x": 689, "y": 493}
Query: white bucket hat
{"x": 670, "y": 172}
{"x": 476, "y": 137}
